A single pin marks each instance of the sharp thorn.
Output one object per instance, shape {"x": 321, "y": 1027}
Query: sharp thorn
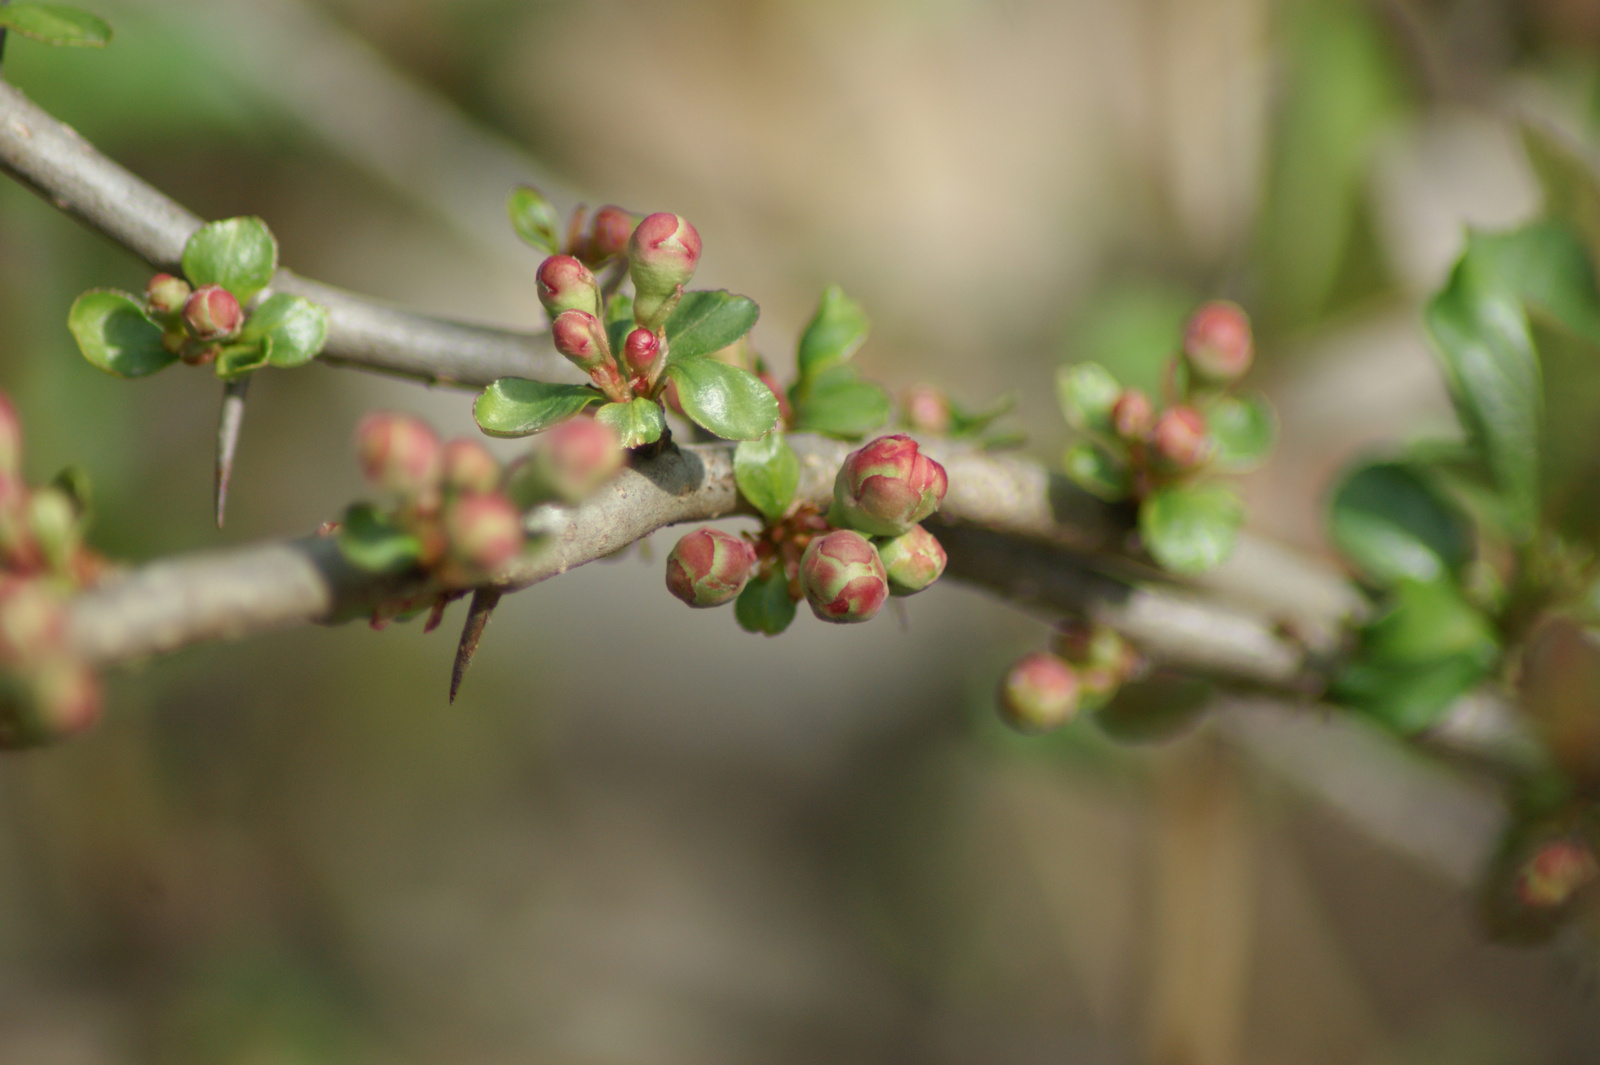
{"x": 233, "y": 393}
{"x": 484, "y": 600}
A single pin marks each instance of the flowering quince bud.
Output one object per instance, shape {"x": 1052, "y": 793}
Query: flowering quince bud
{"x": 912, "y": 560}
{"x": 581, "y": 338}
{"x": 166, "y": 294}
{"x": 399, "y": 453}
{"x": 662, "y": 255}
{"x": 212, "y": 313}
{"x": 1039, "y": 693}
{"x": 1217, "y": 342}
{"x": 887, "y": 487}
{"x": 709, "y": 567}
{"x": 568, "y": 462}
{"x": 1181, "y": 439}
{"x": 1556, "y": 871}
{"x": 468, "y": 467}
{"x": 53, "y": 522}
{"x": 639, "y": 351}
{"x": 609, "y": 233}
{"x": 1132, "y": 416}
{"x": 10, "y": 438}
{"x": 927, "y": 409}
{"x": 843, "y": 577}
{"x": 565, "y": 284}
{"x": 483, "y": 529}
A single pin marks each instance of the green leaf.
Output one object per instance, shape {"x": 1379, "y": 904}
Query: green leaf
{"x": 1482, "y": 335}
{"x": 768, "y": 473}
{"x": 708, "y": 321}
{"x": 534, "y": 218}
{"x": 1571, "y": 189}
{"x": 514, "y": 406}
{"x": 1087, "y": 392}
{"x": 1546, "y": 266}
{"x": 969, "y": 423}
{"x": 1407, "y": 699}
{"x": 370, "y": 542}
{"x": 1392, "y": 522}
{"x": 636, "y": 423}
{"x": 239, "y": 254}
{"x": 730, "y": 402}
{"x": 56, "y": 24}
{"x": 1244, "y": 429}
{"x": 1428, "y": 621}
{"x": 74, "y": 481}
{"x": 114, "y": 334}
{"x": 619, "y": 320}
{"x": 296, "y": 327}
{"x": 836, "y": 402}
{"x": 1190, "y": 529}
{"x": 240, "y": 360}
{"x": 834, "y": 334}
{"x": 1097, "y": 473}
{"x": 764, "y": 604}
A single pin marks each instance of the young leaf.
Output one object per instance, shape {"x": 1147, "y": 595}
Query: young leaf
{"x": 296, "y": 327}
{"x": 969, "y": 423}
{"x": 1546, "y": 266}
{"x": 1395, "y": 525}
{"x": 1427, "y": 621}
{"x": 1244, "y": 429}
{"x": 534, "y": 219}
{"x": 730, "y": 402}
{"x": 764, "y": 604}
{"x": 1407, "y": 699}
{"x": 513, "y": 406}
{"x": 113, "y": 333}
{"x": 636, "y": 423}
{"x": 1190, "y": 529}
{"x": 240, "y": 254}
{"x": 708, "y": 321}
{"x": 1571, "y": 187}
{"x": 1087, "y": 392}
{"x": 370, "y": 542}
{"x": 55, "y": 24}
{"x": 1097, "y": 472}
{"x": 767, "y": 472}
{"x": 836, "y": 402}
{"x": 834, "y": 334}
{"x": 242, "y": 359}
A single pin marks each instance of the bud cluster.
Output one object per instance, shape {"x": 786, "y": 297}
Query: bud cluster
{"x": 1085, "y": 666}
{"x": 195, "y": 323}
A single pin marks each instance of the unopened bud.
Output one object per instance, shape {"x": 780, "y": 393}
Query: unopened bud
{"x": 53, "y": 521}
{"x": 212, "y": 313}
{"x": 1181, "y": 439}
{"x": 709, "y": 567}
{"x": 1557, "y": 870}
{"x": 609, "y": 233}
{"x": 483, "y": 529}
{"x": 887, "y": 487}
{"x": 468, "y": 467}
{"x": 581, "y": 338}
{"x": 1039, "y": 693}
{"x": 166, "y": 294}
{"x": 33, "y": 621}
{"x": 569, "y": 462}
{"x": 565, "y": 284}
{"x": 843, "y": 577}
{"x": 399, "y": 453}
{"x": 1217, "y": 342}
{"x": 927, "y": 409}
{"x": 912, "y": 561}
{"x": 662, "y": 255}
{"x": 10, "y": 438}
{"x": 1132, "y": 415}
{"x": 639, "y": 351}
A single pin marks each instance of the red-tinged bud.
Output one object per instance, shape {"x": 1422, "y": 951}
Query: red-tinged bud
{"x": 212, "y": 313}
{"x": 569, "y": 462}
{"x": 166, "y": 294}
{"x": 709, "y": 567}
{"x": 468, "y": 467}
{"x": 1181, "y": 439}
{"x": 639, "y": 351}
{"x": 609, "y": 233}
{"x": 399, "y": 453}
{"x": 843, "y": 577}
{"x": 887, "y": 487}
{"x": 912, "y": 560}
{"x": 1557, "y": 870}
{"x": 1132, "y": 415}
{"x": 1039, "y": 693}
{"x": 662, "y": 255}
{"x": 565, "y": 284}
{"x": 33, "y": 621}
{"x": 10, "y": 438}
{"x": 484, "y": 530}
{"x": 1218, "y": 342}
{"x": 581, "y": 337}
{"x": 927, "y": 409}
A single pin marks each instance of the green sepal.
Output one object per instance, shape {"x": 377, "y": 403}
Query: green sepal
{"x": 836, "y": 402}
{"x": 732, "y": 403}
{"x": 1244, "y": 428}
{"x": 115, "y": 334}
{"x": 1087, "y": 392}
{"x": 636, "y": 423}
{"x": 534, "y": 218}
{"x": 1392, "y": 522}
{"x": 764, "y": 605}
{"x": 240, "y": 254}
{"x": 515, "y": 406}
{"x": 55, "y": 24}
{"x": 768, "y": 473}
{"x": 1094, "y": 470}
{"x": 704, "y": 322}
{"x": 1190, "y": 529}
{"x": 242, "y": 359}
{"x": 296, "y": 328}
{"x": 369, "y": 541}
{"x": 834, "y": 334}
{"x": 74, "y": 481}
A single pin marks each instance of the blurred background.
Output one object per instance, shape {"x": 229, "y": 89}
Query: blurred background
{"x": 642, "y": 836}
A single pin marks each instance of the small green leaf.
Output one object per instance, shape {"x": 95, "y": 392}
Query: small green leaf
{"x": 242, "y": 359}
{"x": 239, "y": 254}
{"x": 730, "y": 402}
{"x": 969, "y": 423}
{"x": 1097, "y": 473}
{"x": 1407, "y": 699}
{"x": 370, "y": 542}
{"x": 764, "y": 605}
{"x": 296, "y": 327}
{"x": 1546, "y": 266}
{"x": 836, "y": 402}
{"x": 534, "y": 218}
{"x": 1244, "y": 429}
{"x": 835, "y": 333}
{"x": 768, "y": 473}
{"x": 1190, "y": 529}
{"x": 113, "y": 333}
{"x": 55, "y": 24}
{"x": 1087, "y": 392}
{"x": 636, "y": 423}
{"x": 1395, "y": 525}
{"x": 1427, "y": 621}
{"x": 708, "y": 321}
{"x": 513, "y": 406}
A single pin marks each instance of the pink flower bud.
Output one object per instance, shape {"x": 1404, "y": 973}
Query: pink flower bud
{"x": 887, "y": 487}
{"x": 166, "y": 294}
{"x": 662, "y": 255}
{"x": 912, "y": 560}
{"x": 10, "y": 438}
{"x": 33, "y": 621}
{"x": 569, "y": 462}
{"x": 1181, "y": 439}
{"x": 709, "y": 567}
{"x": 843, "y": 577}
{"x": 483, "y": 529}
{"x": 1218, "y": 342}
{"x": 468, "y": 467}
{"x": 212, "y": 313}
{"x": 639, "y": 351}
{"x": 927, "y": 409}
{"x": 565, "y": 284}
{"x": 1039, "y": 693}
{"x": 399, "y": 453}
{"x": 581, "y": 338}
{"x": 1132, "y": 416}
{"x": 609, "y": 233}
{"x": 1556, "y": 871}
